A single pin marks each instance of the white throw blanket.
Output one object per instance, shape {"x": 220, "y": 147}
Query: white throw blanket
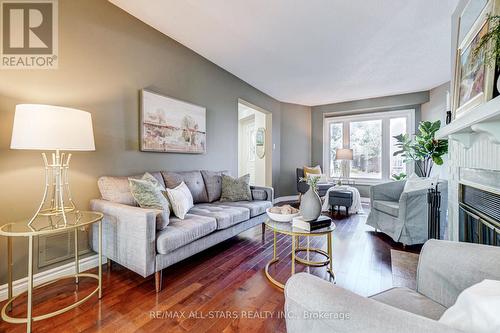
{"x": 356, "y": 198}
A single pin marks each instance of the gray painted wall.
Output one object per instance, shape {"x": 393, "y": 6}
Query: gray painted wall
{"x": 106, "y": 56}
{"x": 435, "y": 108}
{"x": 388, "y": 103}
{"x": 295, "y": 144}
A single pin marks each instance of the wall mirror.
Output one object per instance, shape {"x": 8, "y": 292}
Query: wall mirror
{"x": 260, "y": 142}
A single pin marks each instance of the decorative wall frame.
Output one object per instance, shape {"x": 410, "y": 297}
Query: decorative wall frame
{"x": 474, "y": 80}
{"x": 260, "y": 142}
{"x": 170, "y": 125}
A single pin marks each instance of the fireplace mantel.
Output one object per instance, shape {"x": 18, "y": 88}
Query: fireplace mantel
{"x": 484, "y": 119}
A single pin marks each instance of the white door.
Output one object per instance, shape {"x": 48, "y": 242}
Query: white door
{"x": 247, "y": 148}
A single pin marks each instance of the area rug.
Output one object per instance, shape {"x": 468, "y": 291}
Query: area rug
{"x": 404, "y": 269}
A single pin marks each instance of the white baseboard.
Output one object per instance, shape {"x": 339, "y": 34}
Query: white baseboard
{"x": 21, "y": 285}
{"x": 286, "y": 198}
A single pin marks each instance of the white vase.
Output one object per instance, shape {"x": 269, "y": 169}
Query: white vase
{"x": 310, "y": 205}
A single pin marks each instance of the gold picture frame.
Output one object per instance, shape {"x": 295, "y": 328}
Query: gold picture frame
{"x": 473, "y": 79}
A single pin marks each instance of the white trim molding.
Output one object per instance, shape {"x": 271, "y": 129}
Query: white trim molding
{"x": 21, "y": 285}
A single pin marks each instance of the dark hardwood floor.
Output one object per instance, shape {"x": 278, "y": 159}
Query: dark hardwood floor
{"x": 222, "y": 289}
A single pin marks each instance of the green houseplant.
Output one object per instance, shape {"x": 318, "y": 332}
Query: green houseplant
{"x": 311, "y": 181}
{"x": 399, "y": 176}
{"x": 424, "y": 148}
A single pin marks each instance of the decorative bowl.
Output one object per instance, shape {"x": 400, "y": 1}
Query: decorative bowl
{"x": 281, "y": 217}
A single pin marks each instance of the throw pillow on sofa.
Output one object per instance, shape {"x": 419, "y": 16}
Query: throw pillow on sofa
{"x": 236, "y": 189}
{"x": 476, "y": 309}
{"x": 312, "y": 171}
{"x": 148, "y": 194}
{"x": 213, "y": 183}
{"x": 180, "y": 199}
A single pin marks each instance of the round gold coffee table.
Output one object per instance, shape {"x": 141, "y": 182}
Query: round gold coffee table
{"x": 48, "y": 225}
{"x": 286, "y": 228}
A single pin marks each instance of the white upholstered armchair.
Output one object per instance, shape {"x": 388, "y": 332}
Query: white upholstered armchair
{"x": 444, "y": 270}
{"x": 403, "y": 215}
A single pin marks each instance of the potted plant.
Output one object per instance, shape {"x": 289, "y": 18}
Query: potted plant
{"x": 399, "y": 176}
{"x": 424, "y": 149}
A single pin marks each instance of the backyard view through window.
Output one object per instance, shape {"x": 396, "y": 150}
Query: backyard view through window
{"x": 336, "y": 133}
{"x": 366, "y": 144}
{"x": 370, "y": 136}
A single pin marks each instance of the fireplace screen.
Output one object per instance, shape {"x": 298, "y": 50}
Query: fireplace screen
{"x": 479, "y": 216}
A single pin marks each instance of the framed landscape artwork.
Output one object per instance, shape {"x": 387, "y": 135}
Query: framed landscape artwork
{"x": 473, "y": 78}
{"x": 172, "y": 126}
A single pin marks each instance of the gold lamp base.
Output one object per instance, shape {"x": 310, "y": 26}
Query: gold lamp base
{"x": 56, "y": 202}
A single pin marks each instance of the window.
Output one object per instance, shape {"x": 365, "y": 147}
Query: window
{"x": 336, "y": 130}
{"x": 365, "y": 140}
{"x": 370, "y": 136}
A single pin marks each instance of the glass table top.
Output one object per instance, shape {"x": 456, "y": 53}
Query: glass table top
{"x": 43, "y": 225}
{"x": 288, "y": 228}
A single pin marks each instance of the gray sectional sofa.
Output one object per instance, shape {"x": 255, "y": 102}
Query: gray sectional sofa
{"x": 134, "y": 236}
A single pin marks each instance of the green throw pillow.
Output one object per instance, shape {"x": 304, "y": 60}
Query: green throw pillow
{"x": 148, "y": 193}
{"x": 236, "y": 189}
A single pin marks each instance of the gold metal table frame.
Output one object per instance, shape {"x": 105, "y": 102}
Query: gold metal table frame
{"x": 286, "y": 228}
{"x": 45, "y": 226}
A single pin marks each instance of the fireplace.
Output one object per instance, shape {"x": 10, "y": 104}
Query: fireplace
{"x": 479, "y": 216}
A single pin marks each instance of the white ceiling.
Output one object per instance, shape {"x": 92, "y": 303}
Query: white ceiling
{"x": 314, "y": 52}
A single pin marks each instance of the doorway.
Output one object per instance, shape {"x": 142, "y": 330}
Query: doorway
{"x": 254, "y": 143}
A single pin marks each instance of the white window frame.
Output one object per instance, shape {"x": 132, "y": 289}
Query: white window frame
{"x": 385, "y": 116}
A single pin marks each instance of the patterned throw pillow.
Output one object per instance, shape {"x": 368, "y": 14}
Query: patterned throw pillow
{"x": 147, "y": 191}
{"x": 181, "y": 200}
{"x": 236, "y": 189}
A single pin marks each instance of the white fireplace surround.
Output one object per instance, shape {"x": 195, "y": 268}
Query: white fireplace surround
{"x": 474, "y": 155}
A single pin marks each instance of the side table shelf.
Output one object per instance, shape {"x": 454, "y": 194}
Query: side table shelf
{"x": 45, "y": 226}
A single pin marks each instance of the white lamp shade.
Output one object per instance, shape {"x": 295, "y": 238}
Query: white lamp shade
{"x": 47, "y": 127}
{"x": 344, "y": 154}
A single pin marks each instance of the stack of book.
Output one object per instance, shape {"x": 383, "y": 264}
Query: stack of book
{"x": 320, "y": 223}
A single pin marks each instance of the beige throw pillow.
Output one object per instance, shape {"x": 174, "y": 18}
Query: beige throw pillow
{"x": 180, "y": 199}
{"x": 312, "y": 171}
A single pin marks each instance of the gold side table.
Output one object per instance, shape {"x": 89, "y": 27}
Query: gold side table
{"x": 286, "y": 228}
{"x": 47, "y": 226}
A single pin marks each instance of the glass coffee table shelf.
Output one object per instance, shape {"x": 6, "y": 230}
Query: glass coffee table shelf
{"x": 286, "y": 228}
